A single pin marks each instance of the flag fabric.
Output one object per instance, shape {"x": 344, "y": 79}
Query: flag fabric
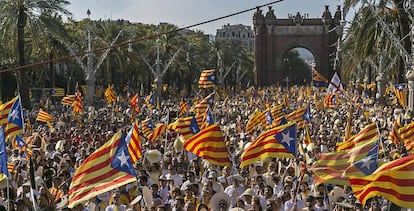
{"x": 395, "y": 135}
{"x": 270, "y": 114}
{"x": 368, "y": 133}
{"x": 187, "y": 127}
{"x": 147, "y": 128}
{"x": 393, "y": 181}
{"x": 157, "y": 132}
{"x": 306, "y": 138}
{"x": 77, "y": 104}
{"x": 202, "y": 106}
{"x": 110, "y": 95}
{"x": 301, "y": 116}
{"x": 57, "y": 92}
{"x": 279, "y": 142}
{"x": 208, "y": 118}
{"x": 107, "y": 168}
{"x": 209, "y": 144}
{"x": 254, "y": 121}
{"x": 68, "y": 100}
{"x": 401, "y": 94}
{"x": 19, "y": 143}
{"x": 336, "y": 167}
{"x": 150, "y": 100}
{"x": 183, "y": 107}
{"x": 318, "y": 80}
{"x": 207, "y": 79}
{"x": 15, "y": 120}
{"x": 11, "y": 168}
{"x": 134, "y": 143}
{"x": 330, "y": 100}
{"x": 5, "y": 109}
{"x": 4, "y": 172}
{"x": 335, "y": 85}
{"x": 43, "y": 116}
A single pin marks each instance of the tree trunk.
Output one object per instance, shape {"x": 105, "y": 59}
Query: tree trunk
{"x": 404, "y": 24}
{"x": 23, "y": 84}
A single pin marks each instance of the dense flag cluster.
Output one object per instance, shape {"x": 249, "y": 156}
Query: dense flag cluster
{"x": 207, "y": 79}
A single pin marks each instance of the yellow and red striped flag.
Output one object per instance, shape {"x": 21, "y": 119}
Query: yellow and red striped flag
{"x": 202, "y": 106}
{"x": 395, "y": 135}
{"x": 110, "y": 95}
{"x": 147, "y": 128}
{"x": 393, "y": 181}
{"x": 11, "y": 168}
{"x": 134, "y": 143}
{"x": 207, "y": 79}
{"x": 188, "y": 127}
{"x": 157, "y": 132}
{"x": 77, "y": 104}
{"x": 15, "y": 120}
{"x": 107, "y": 168}
{"x": 301, "y": 116}
{"x": 279, "y": 142}
{"x": 183, "y": 107}
{"x": 68, "y": 100}
{"x": 43, "y": 116}
{"x": 336, "y": 167}
{"x": 401, "y": 94}
{"x": 368, "y": 133}
{"x": 5, "y": 109}
{"x": 209, "y": 144}
{"x": 253, "y": 122}
{"x": 330, "y": 100}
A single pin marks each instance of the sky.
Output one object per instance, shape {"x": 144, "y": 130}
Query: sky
{"x": 188, "y": 12}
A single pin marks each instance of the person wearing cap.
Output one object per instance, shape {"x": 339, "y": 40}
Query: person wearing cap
{"x": 191, "y": 178}
{"x": 206, "y": 196}
{"x": 164, "y": 189}
{"x": 247, "y": 196}
{"x": 236, "y": 189}
{"x": 224, "y": 179}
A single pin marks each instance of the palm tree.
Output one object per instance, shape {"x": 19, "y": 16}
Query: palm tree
{"x": 31, "y": 15}
{"x": 402, "y": 21}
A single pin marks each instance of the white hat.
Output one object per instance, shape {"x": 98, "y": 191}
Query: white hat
{"x": 238, "y": 177}
{"x": 217, "y": 198}
{"x": 153, "y": 156}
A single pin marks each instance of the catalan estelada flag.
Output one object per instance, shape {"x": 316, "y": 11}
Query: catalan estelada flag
{"x": 5, "y": 109}
{"x": 110, "y": 95}
{"x": 369, "y": 132}
{"x": 77, "y": 104}
{"x": 336, "y": 167}
{"x": 134, "y": 143}
{"x": 318, "y": 80}
{"x": 301, "y": 116}
{"x": 202, "y": 106}
{"x": 150, "y": 100}
{"x": 147, "y": 128}
{"x": 330, "y": 100}
{"x": 209, "y": 144}
{"x": 207, "y": 79}
{"x": 401, "y": 94}
{"x": 254, "y": 121}
{"x": 157, "y": 132}
{"x": 43, "y": 116}
{"x": 188, "y": 127}
{"x": 57, "y": 92}
{"x": 68, "y": 100}
{"x": 107, "y": 168}
{"x": 15, "y": 121}
{"x": 393, "y": 181}
{"x": 279, "y": 142}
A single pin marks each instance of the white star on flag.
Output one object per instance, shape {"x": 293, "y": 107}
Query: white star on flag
{"x": 286, "y": 138}
{"x": 366, "y": 162}
{"x": 123, "y": 158}
{"x": 14, "y": 114}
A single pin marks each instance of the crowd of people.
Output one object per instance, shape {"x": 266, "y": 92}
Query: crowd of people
{"x": 170, "y": 178}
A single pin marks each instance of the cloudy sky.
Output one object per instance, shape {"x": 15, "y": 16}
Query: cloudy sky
{"x": 188, "y": 12}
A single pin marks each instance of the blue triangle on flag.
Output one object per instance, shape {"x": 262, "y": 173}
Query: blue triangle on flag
{"x": 287, "y": 137}
{"x": 122, "y": 160}
{"x": 269, "y": 119}
{"x": 194, "y": 126}
{"x": 369, "y": 163}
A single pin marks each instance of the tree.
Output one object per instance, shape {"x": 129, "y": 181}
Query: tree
{"x": 32, "y": 16}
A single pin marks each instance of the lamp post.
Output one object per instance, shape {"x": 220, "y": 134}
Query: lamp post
{"x": 90, "y": 76}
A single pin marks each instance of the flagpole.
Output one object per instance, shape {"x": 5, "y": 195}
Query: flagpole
{"x": 8, "y": 193}
{"x": 166, "y": 131}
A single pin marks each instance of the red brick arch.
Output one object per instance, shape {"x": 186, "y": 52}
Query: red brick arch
{"x": 274, "y": 37}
